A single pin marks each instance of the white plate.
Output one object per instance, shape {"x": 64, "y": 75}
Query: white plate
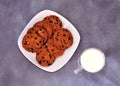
{"x": 60, "y": 61}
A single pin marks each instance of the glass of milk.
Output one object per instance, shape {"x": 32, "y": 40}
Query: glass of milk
{"x": 91, "y": 60}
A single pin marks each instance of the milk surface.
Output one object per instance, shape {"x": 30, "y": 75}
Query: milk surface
{"x": 92, "y": 60}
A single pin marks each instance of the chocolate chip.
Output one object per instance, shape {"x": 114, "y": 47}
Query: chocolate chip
{"x": 40, "y": 28}
{"x": 32, "y": 28}
{"x": 29, "y": 32}
{"x": 50, "y": 56}
{"x": 42, "y": 57}
{"x": 65, "y": 30}
{"x": 57, "y": 20}
{"x": 60, "y": 24}
{"x": 35, "y": 37}
{"x": 64, "y": 40}
{"x": 55, "y": 23}
{"x": 39, "y": 62}
{"x": 50, "y": 21}
{"x": 37, "y": 53}
{"x": 45, "y": 18}
{"x": 27, "y": 36}
{"x": 49, "y": 63}
{"x": 62, "y": 46}
{"x": 64, "y": 35}
{"x": 69, "y": 38}
{"x": 57, "y": 39}
{"x": 52, "y": 50}
{"x": 32, "y": 49}
{"x": 36, "y": 32}
{"x": 25, "y": 43}
{"x": 59, "y": 46}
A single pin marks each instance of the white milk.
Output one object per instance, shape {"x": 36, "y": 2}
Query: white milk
{"x": 92, "y": 60}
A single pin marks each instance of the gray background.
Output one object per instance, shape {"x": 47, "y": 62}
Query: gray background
{"x": 98, "y": 22}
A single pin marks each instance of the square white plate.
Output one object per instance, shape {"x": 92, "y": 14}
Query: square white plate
{"x": 60, "y": 61}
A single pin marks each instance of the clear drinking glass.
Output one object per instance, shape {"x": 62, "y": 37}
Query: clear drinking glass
{"x": 91, "y": 60}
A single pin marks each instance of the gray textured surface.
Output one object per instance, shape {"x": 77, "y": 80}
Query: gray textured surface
{"x": 98, "y": 22}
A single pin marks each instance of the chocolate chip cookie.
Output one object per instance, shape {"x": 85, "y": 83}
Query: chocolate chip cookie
{"x": 54, "y": 21}
{"x": 46, "y": 26}
{"x": 44, "y": 58}
{"x": 31, "y": 42}
{"x": 53, "y": 49}
{"x": 40, "y": 31}
{"x": 63, "y": 38}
